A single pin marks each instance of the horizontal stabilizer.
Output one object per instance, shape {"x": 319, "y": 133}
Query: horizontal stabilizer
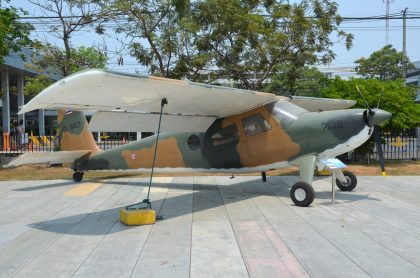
{"x": 130, "y": 122}
{"x": 47, "y": 158}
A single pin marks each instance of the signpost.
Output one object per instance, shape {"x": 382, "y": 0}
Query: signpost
{"x": 333, "y": 165}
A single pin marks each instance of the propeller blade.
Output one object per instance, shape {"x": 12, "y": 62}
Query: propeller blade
{"x": 364, "y": 99}
{"x": 380, "y": 97}
{"x": 377, "y": 134}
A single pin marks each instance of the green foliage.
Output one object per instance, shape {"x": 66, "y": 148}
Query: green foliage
{"x": 397, "y": 98}
{"x": 246, "y": 40}
{"x": 384, "y": 64}
{"x": 81, "y": 58}
{"x": 13, "y": 33}
{"x": 240, "y": 40}
{"x": 154, "y": 33}
{"x": 86, "y": 57}
{"x": 35, "y": 85}
{"x": 309, "y": 83}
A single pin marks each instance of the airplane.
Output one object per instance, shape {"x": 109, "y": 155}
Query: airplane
{"x": 202, "y": 128}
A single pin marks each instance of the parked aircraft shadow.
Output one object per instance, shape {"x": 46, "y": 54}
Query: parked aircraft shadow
{"x": 204, "y": 197}
{"x": 71, "y": 182}
{"x": 45, "y": 186}
{"x": 344, "y": 197}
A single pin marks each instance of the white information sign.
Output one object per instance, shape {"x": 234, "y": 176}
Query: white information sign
{"x": 334, "y": 163}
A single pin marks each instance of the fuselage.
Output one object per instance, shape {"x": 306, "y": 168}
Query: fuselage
{"x": 267, "y": 137}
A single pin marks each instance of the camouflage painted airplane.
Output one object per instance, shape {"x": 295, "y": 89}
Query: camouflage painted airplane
{"x": 205, "y": 128}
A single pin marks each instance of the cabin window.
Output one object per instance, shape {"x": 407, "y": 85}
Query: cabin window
{"x": 255, "y": 124}
{"x": 193, "y": 142}
{"x": 226, "y": 135}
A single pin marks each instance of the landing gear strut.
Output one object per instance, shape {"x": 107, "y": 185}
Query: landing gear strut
{"x": 78, "y": 176}
{"x": 264, "y": 176}
{"x": 302, "y": 194}
{"x": 350, "y": 184}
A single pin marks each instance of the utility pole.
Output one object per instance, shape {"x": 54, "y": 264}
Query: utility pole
{"x": 387, "y": 2}
{"x": 405, "y": 41}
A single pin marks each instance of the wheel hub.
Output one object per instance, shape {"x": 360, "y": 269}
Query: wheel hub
{"x": 347, "y": 183}
{"x": 300, "y": 194}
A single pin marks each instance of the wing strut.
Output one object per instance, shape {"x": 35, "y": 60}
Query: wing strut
{"x": 146, "y": 202}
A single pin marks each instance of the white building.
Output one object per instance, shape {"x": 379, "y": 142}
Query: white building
{"x": 413, "y": 78}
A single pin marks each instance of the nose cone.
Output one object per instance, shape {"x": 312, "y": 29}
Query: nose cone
{"x": 380, "y": 116}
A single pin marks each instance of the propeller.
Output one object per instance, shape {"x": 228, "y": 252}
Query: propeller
{"x": 370, "y": 121}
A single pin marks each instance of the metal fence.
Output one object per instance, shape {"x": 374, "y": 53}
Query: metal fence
{"x": 395, "y": 146}
{"x": 17, "y": 144}
{"x": 112, "y": 141}
{"x": 22, "y": 143}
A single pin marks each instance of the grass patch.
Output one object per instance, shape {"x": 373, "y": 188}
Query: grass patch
{"x": 40, "y": 172}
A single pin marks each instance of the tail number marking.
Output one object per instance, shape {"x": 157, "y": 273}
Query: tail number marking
{"x": 71, "y": 126}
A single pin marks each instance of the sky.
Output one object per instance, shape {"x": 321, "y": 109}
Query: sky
{"x": 369, "y": 36}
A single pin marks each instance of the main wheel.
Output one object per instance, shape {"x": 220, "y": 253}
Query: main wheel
{"x": 78, "y": 176}
{"x": 302, "y": 194}
{"x": 350, "y": 184}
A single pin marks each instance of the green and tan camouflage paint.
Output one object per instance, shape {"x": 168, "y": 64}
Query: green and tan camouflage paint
{"x": 294, "y": 132}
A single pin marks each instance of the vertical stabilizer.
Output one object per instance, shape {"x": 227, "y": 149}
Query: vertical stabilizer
{"x": 74, "y": 133}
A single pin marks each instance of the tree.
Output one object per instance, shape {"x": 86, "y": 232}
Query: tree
{"x": 309, "y": 83}
{"x": 241, "y": 40}
{"x": 384, "y": 64}
{"x": 13, "y": 33}
{"x": 246, "y": 40}
{"x": 73, "y": 16}
{"x": 153, "y": 30}
{"x": 397, "y": 98}
{"x": 34, "y": 85}
{"x": 80, "y": 58}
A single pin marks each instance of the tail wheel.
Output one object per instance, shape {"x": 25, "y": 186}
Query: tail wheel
{"x": 302, "y": 194}
{"x": 350, "y": 184}
{"x": 78, "y": 176}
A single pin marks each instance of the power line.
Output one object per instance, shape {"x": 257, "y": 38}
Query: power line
{"x": 414, "y": 15}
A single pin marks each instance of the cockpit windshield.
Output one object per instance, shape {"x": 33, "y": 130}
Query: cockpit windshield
{"x": 286, "y": 112}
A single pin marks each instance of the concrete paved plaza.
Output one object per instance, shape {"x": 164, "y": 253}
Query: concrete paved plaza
{"x": 212, "y": 227}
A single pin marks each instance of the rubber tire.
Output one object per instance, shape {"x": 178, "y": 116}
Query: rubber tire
{"x": 78, "y": 176}
{"x": 310, "y": 194}
{"x": 352, "y": 181}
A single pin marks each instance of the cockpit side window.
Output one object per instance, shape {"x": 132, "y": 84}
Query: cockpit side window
{"x": 255, "y": 124}
{"x": 226, "y": 135}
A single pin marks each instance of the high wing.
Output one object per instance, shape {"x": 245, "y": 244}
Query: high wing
{"x": 102, "y": 90}
{"x": 97, "y": 89}
{"x": 127, "y": 102}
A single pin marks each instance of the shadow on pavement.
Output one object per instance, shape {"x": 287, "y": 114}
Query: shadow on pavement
{"x": 203, "y": 197}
